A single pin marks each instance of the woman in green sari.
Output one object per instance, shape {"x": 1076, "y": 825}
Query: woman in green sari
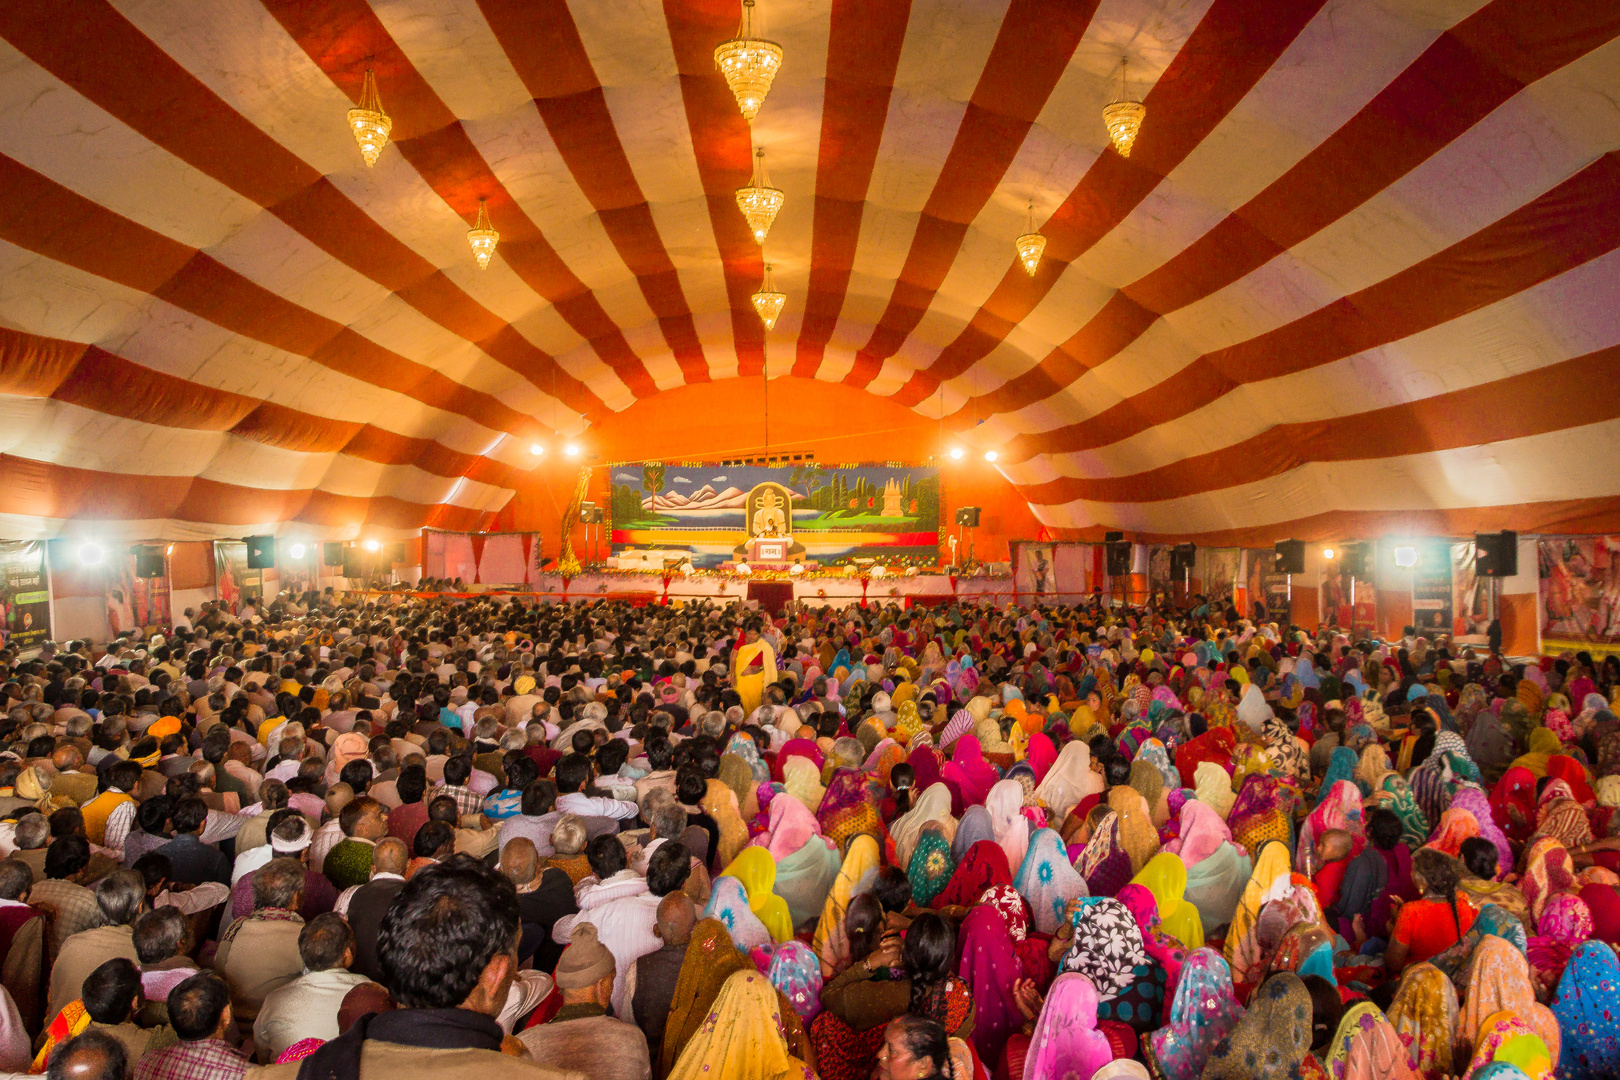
{"x": 1382, "y": 782}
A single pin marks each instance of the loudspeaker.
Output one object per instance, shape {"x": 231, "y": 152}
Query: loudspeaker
{"x": 396, "y": 551}
{"x": 590, "y": 513}
{"x": 352, "y": 567}
{"x": 968, "y": 516}
{"x": 1119, "y": 558}
{"x": 148, "y": 562}
{"x": 1182, "y": 558}
{"x": 1496, "y": 554}
{"x": 332, "y": 553}
{"x": 1358, "y": 560}
{"x": 1113, "y": 537}
{"x": 261, "y": 552}
{"x": 1290, "y": 557}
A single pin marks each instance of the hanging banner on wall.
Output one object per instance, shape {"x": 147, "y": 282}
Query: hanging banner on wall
{"x": 1472, "y": 600}
{"x": 1036, "y": 569}
{"x": 1431, "y": 588}
{"x": 230, "y": 571}
{"x": 134, "y": 601}
{"x": 1222, "y": 569}
{"x": 1268, "y": 590}
{"x": 1580, "y": 588}
{"x": 25, "y": 597}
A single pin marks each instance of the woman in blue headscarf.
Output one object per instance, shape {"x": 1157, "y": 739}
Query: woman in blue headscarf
{"x": 1342, "y": 766}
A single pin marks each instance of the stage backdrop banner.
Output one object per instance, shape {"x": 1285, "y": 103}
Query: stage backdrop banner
{"x": 1222, "y": 571}
{"x": 25, "y": 599}
{"x": 1580, "y": 588}
{"x": 837, "y": 512}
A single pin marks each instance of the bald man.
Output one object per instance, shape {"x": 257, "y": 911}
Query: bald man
{"x": 656, "y": 972}
{"x": 544, "y": 896}
{"x": 69, "y": 781}
{"x": 370, "y": 901}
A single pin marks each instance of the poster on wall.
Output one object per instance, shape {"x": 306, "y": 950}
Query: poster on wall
{"x": 1579, "y": 597}
{"x": 134, "y": 601}
{"x": 1159, "y": 580}
{"x": 1222, "y": 569}
{"x": 1431, "y": 588}
{"x": 1268, "y": 591}
{"x": 230, "y": 572}
{"x": 823, "y": 514}
{"x": 1473, "y": 601}
{"x": 1036, "y": 569}
{"x": 25, "y": 598}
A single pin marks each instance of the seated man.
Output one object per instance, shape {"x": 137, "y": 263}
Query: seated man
{"x": 621, "y": 907}
{"x": 582, "y": 1035}
{"x": 307, "y": 1007}
{"x": 163, "y": 943}
{"x": 112, "y": 997}
{"x": 90, "y": 1055}
{"x": 200, "y": 1012}
{"x": 259, "y": 954}
{"x": 119, "y": 897}
{"x": 448, "y": 950}
{"x": 544, "y": 896}
{"x": 364, "y": 821}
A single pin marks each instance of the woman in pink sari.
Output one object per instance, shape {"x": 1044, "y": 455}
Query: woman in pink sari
{"x": 968, "y": 770}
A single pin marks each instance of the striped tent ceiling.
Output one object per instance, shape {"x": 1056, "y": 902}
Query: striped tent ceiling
{"x": 1361, "y": 260}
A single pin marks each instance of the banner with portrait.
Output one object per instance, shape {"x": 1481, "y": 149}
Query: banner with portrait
{"x": 1432, "y": 598}
{"x": 1579, "y": 597}
{"x": 133, "y": 601}
{"x": 230, "y": 572}
{"x": 25, "y": 597}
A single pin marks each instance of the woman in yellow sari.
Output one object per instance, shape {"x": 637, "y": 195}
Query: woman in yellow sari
{"x": 720, "y": 803}
{"x": 1165, "y": 876}
{"x": 754, "y": 667}
{"x": 863, "y": 856}
{"x": 1272, "y": 868}
{"x": 755, "y": 868}
{"x": 741, "y": 1038}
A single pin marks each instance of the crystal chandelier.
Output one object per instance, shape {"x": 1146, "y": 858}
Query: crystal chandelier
{"x": 369, "y": 123}
{"x": 749, "y": 64}
{"x": 759, "y": 202}
{"x": 1124, "y": 118}
{"x": 1031, "y": 244}
{"x": 768, "y": 302}
{"x": 482, "y": 237}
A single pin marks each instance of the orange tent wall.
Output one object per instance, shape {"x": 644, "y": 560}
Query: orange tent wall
{"x": 726, "y": 419}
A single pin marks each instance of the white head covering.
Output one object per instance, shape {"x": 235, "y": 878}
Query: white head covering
{"x": 1069, "y": 780}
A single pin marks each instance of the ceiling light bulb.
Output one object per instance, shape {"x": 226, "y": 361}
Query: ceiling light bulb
{"x": 572, "y": 450}
{"x": 957, "y": 453}
{"x": 990, "y": 455}
{"x": 536, "y": 449}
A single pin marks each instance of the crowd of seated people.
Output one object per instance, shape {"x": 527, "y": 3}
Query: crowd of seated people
{"x": 416, "y": 836}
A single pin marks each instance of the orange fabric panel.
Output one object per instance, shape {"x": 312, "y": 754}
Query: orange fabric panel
{"x": 191, "y": 565}
{"x": 1519, "y": 622}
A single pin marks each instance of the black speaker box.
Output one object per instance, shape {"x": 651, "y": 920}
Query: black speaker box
{"x": 1358, "y": 560}
{"x": 396, "y": 551}
{"x": 148, "y": 562}
{"x": 332, "y": 553}
{"x": 1119, "y": 559}
{"x": 968, "y": 516}
{"x": 352, "y": 567}
{"x": 1183, "y": 557}
{"x": 1290, "y": 557}
{"x": 1496, "y": 554}
{"x": 1113, "y": 537}
{"x": 261, "y": 552}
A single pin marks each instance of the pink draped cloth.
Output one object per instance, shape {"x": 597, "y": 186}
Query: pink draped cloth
{"x": 973, "y": 775}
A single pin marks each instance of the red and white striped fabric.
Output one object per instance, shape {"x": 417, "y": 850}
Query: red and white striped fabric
{"x": 1361, "y": 262}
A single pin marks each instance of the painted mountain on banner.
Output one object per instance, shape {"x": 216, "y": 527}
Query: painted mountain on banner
{"x": 704, "y": 498}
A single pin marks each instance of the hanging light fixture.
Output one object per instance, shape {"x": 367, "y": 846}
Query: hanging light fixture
{"x": 749, "y": 64}
{"x": 369, "y": 123}
{"x": 482, "y": 237}
{"x": 1031, "y": 244}
{"x": 768, "y": 302}
{"x": 1124, "y": 117}
{"x": 759, "y": 202}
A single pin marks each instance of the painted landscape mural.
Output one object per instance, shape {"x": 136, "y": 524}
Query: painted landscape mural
{"x": 838, "y": 512}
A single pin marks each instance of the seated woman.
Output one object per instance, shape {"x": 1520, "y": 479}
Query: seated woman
{"x": 891, "y": 981}
{"x": 1432, "y": 924}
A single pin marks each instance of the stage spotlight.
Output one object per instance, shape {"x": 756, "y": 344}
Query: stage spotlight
{"x": 1406, "y": 556}
{"x": 296, "y": 551}
{"x": 990, "y": 455}
{"x": 1328, "y": 553}
{"x": 91, "y": 554}
{"x": 373, "y": 545}
{"x": 572, "y": 450}
{"x": 957, "y": 453}
{"x": 536, "y": 449}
